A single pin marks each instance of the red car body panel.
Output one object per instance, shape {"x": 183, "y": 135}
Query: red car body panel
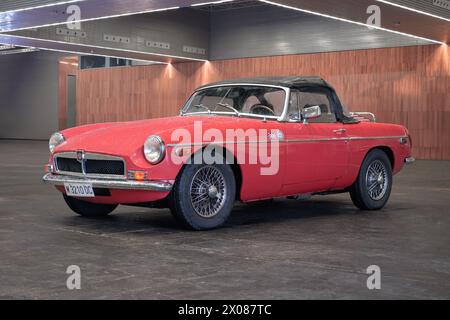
{"x": 314, "y": 157}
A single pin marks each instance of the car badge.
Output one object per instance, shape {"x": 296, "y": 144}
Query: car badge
{"x": 276, "y": 135}
{"x": 80, "y": 155}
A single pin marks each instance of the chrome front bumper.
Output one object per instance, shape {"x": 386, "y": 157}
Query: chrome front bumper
{"x": 410, "y": 160}
{"x": 60, "y": 180}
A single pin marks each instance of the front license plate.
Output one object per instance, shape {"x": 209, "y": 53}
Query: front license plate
{"x": 79, "y": 190}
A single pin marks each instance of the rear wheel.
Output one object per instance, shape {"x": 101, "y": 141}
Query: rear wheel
{"x": 372, "y": 188}
{"x": 87, "y": 209}
{"x": 203, "y": 196}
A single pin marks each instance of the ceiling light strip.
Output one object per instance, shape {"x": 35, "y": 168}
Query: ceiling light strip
{"x": 42, "y": 6}
{"x": 210, "y": 3}
{"x": 413, "y": 10}
{"x": 6, "y": 47}
{"x": 97, "y": 55}
{"x": 351, "y": 21}
{"x": 104, "y": 48}
{"x": 89, "y": 19}
{"x": 4, "y": 53}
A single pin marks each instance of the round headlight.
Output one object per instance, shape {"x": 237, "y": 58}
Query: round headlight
{"x": 55, "y": 140}
{"x": 154, "y": 149}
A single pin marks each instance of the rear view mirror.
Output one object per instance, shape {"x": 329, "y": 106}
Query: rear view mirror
{"x": 313, "y": 112}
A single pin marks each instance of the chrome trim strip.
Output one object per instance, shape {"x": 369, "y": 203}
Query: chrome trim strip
{"x": 282, "y": 141}
{"x": 199, "y": 144}
{"x": 90, "y": 156}
{"x": 60, "y": 180}
{"x": 83, "y": 161}
{"x": 410, "y": 160}
{"x": 315, "y": 140}
{"x": 284, "y": 115}
{"x": 377, "y": 138}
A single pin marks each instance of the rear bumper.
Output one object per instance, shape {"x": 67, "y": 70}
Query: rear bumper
{"x": 410, "y": 160}
{"x": 60, "y": 180}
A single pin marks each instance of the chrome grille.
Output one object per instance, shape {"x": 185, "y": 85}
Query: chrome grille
{"x": 68, "y": 165}
{"x": 90, "y": 165}
{"x": 109, "y": 167}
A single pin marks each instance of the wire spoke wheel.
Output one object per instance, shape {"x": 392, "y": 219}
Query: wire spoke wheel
{"x": 377, "y": 180}
{"x": 208, "y": 191}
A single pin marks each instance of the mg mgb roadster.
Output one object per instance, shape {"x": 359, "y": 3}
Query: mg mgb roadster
{"x": 242, "y": 140}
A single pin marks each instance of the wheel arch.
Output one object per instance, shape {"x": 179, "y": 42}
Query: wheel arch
{"x": 358, "y": 190}
{"x": 237, "y": 170}
{"x": 387, "y": 150}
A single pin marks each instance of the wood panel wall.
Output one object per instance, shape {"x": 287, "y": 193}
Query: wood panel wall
{"x": 408, "y": 85}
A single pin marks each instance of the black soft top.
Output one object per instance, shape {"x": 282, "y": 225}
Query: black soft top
{"x": 295, "y": 82}
{"x": 289, "y": 82}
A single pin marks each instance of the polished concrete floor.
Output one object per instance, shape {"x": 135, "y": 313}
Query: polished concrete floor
{"x": 282, "y": 250}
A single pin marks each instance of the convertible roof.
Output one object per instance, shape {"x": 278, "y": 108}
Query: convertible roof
{"x": 290, "y": 82}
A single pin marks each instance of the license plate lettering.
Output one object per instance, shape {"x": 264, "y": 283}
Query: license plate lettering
{"x": 79, "y": 189}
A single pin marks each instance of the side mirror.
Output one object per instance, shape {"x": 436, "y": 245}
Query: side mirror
{"x": 313, "y": 112}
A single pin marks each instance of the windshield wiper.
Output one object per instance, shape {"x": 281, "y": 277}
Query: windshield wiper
{"x": 202, "y": 107}
{"x": 196, "y": 106}
{"x": 208, "y": 110}
{"x": 225, "y": 105}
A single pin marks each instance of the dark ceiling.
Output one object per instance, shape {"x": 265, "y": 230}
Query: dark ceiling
{"x": 400, "y": 22}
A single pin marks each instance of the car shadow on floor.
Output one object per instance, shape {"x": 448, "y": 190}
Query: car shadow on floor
{"x": 130, "y": 219}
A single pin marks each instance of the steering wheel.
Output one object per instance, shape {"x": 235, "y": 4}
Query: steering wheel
{"x": 261, "y": 107}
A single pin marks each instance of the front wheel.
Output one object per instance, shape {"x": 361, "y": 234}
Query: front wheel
{"x": 203, "y": 196}
{"x": 87, "y": 209}
{"x": 372, "y": 188}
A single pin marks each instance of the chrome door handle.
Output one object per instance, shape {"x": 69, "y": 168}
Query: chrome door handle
{"x": 340, "y": 131}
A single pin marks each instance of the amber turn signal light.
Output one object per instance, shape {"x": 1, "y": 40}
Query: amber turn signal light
{"x": 137, "y": 175}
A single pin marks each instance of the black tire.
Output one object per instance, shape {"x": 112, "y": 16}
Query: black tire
{"x": 188, "y": 190}
{"x": 87, "y": 209}
{"x": 372, "y": 188}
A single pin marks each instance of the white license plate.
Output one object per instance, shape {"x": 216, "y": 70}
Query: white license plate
{"x": 79, "y": 190}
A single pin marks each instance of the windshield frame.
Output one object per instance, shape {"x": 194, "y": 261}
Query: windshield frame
{"x": 280, "y": 118}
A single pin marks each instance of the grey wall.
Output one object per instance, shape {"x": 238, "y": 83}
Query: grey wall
{"x": 29, "y": 95}
{"x": 271, "y": 30}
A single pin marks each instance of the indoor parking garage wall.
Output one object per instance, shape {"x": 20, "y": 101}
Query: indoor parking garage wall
{"x": 29, "y": 95}
{"x": 407, "y": 85}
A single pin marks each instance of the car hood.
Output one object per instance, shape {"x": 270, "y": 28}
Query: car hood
{"x": 124, "y": 138}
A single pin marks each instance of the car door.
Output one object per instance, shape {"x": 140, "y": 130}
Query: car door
{"x": 317, "y": 150}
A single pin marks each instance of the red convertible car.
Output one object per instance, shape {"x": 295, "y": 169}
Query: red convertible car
{"x": 245, "y": 140}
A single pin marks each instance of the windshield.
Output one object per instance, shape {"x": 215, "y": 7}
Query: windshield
{"x": 248, "y": 100}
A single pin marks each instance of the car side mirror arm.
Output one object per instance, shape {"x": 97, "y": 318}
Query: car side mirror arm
{"x": 313, "y": 112}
